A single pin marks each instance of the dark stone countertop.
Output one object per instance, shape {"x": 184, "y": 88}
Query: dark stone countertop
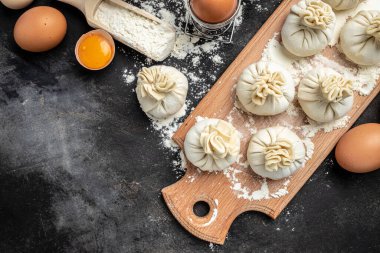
{"x": 81, "y": 167}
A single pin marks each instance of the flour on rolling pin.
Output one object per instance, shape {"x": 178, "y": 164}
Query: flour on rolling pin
{"x": 154, "y": 39}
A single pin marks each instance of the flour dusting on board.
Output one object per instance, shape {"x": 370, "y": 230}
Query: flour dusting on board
{"x": 196, "y": 51}
{"x": 364, "y": 81}
{"x": 260, "y": 192}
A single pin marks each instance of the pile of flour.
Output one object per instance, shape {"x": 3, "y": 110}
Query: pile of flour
{"x": 151, "y": 37}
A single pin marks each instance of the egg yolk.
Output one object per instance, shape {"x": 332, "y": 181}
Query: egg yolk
{"x": 95, "y": 51}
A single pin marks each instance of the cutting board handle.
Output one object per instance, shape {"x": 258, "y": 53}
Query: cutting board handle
{"x": 183, "y": 195}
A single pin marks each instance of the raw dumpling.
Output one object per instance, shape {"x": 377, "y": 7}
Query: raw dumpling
{"x": 360, "y": 38}
{"x": 341, "y": 5}
{"x": 276, "y": 152}
{"x": 161, "y": 91}
{"x": 212, "y": 145}
{"x": 309, "y": 28}
{"x": 265, "y": 89}
{"x": 325, "y": 95}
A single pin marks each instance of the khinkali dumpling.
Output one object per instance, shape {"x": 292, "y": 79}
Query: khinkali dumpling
{"x": 276, "y": 152}
{"x": 341, "y": 5}
{"x": 360, "y": 38}
{"x": 265, "y": 89}
{"x": 212, "y": 145}
{"x": 161, "y": 91}
{"x": 325, "y": 95}
{"x": 309, "y": 28}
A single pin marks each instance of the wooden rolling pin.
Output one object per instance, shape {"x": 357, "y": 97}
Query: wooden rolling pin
{"x": 89, "y": 8}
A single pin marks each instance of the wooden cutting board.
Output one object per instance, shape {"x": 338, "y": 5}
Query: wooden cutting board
{"x": 217, "y": 189}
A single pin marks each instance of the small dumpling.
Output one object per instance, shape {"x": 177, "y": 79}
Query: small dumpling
{"x": 325, "y": 95}
{"x": 360, "y": 38}
{"x": 265, "y": 89}
{"x": 161, "y": 91}
{"x": 341, "y": 5}
{"x": 309, "y": 28}
{"x": 212, "y": 145}
{"x": 276, "y": 153}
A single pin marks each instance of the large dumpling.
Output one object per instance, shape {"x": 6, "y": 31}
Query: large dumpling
{"x": 212, "y": 145}
{"x": 276, "y": 152}
{"x": 265, "y": 89}
{"x": 161, "y": 91}
{"x": 309, "y": 28}
{"x": 341, "y": 5}
{"x": 325, "y": 95}
{"x": 360, "y": 38}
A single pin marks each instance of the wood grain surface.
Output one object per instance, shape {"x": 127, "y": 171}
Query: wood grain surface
{"x": 216, "y": 188}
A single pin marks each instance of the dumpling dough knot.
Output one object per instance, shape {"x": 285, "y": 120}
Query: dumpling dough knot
{"x": 218, "y": 141}
{"x": 318, "y": 15}
{"x": 336, "y": 88}
{"x": 278, "y": 155}
{"x": 374, "y": 28}
{"x": 155, "y": 83}
{"x": 267, "y": 84}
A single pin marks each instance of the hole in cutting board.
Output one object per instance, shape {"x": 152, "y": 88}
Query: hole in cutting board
{"x": 201, "y": 208}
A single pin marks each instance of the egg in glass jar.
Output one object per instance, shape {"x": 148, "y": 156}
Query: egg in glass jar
{"x": 212, "y": 19}
{"x": 213, "y": 11}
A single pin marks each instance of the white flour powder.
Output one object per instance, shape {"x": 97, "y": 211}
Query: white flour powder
{"x": 152, "y": 38}
{"x": 310, "y": 130}
{"x": 128, "y": 77}
{"x": 262, "y": 191}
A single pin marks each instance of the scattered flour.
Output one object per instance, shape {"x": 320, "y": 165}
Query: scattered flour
{"x": 213, "y": 216}
{"x": 212, "y": 246}
{"x": 309, "y": 146}
{"x": 167, "y": 16}
{"x": 293, "y": 110}
{"x": 282, "y": 191}
{"x": 168, "y": 127}
{"x": 253, "y": 195}
{"x": 217, "y": 59}
{"x": 196, "y": 61}
{"x": 186, "y": 45}
{"x": 128, "y": 76}
{"x": 310, "y": 130}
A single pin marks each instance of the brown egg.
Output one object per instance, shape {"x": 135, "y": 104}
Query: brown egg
{"x": 358, "y": 150}
{"x": 16, "y": 4}
{"x": 40, "y": 29}
{"x": 213, "y": 11}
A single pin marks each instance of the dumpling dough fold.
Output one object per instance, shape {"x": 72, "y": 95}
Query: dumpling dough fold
{"x": 275, "y": 152}
{"x": 360, "y": 38}
{"x": 161, "y": 91}
{"x": 212, "y": 145}
{"x": 341, "y": 5}
{"x": 265, "y": 89}
{"x": 308, "y": 28}
{"x": 325, "y": 95}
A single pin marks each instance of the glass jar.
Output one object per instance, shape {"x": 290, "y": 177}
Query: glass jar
{"x": 222, "y": 31}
